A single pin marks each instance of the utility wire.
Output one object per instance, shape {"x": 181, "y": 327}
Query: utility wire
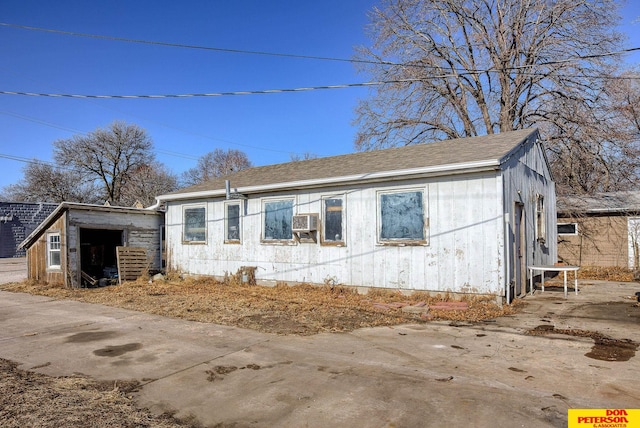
{"x": 277, "y": 91}
{"x": 287, "y": 55}
{"x": 184, "y": 46}
{"x": 213, "y": 94}
{"x": 77, "y": 131}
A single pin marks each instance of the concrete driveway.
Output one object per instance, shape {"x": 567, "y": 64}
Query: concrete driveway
{"x": 13, "y": 270}
{"x": 435, "y": 374}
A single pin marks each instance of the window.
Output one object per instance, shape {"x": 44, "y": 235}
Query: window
{"x": 232, "y": 223}
{"x": 333, "y": 232}
{"x": 541, "y": 227}
{"x": 401, "y": 217}
{"x": 53, "y": 251}
{"x": 277, "y": 217}
{"x": 567, "y": 228}
{"x": 195, "y": 229}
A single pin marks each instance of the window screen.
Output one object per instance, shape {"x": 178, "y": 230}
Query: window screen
{"x": 233, "y": 222}
{"x": 333, "y": 220}
{"x": 402, "y": 216}
{"x": 194, "y": 224}
{"x": 277, "y": 220}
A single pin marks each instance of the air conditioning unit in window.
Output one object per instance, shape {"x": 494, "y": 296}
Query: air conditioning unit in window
{"x": 305, "y": 223}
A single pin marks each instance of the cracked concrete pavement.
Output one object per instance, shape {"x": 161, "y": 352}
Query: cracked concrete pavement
{"x": 433, "y": 374}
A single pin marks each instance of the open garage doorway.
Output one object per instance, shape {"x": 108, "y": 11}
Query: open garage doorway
{"x": 98, "y": 261}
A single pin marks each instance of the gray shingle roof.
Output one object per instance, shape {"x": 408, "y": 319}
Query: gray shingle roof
{"x": 449, "y": 152}
{"x": 608, "y": 202}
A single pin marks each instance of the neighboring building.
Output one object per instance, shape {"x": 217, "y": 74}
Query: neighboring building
{"x": 17, "y": 221}
{"x": 463, "y": 216}
{"x": 600, "y": 230}
{"x": 77, "y": 241}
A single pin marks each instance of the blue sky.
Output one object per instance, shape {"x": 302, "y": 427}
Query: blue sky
{"x": 267, "y": 127}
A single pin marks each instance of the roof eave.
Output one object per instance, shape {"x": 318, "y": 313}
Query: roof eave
{"x": 33, "y": 236}
{"x": 46, "y": 223}
{"x": 431, "y": 171}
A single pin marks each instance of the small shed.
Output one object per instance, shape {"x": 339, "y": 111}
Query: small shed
{"x": 76, "y": 244}
{"x": 600, "y": 230}
{"x": 461, "y": 216}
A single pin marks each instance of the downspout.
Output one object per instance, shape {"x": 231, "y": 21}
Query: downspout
{"x": 154, "y": 206}
{"x": 507, "y": 264}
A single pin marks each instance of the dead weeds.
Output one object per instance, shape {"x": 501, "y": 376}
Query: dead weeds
{"x": 29, "y": 399}
{"x": 300, "y": 309}
{"x": 606, "y": 273}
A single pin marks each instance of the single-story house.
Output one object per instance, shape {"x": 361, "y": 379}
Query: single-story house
{"x": 77, "y": 242}
{"x": 462, "y": 216}
{"x": 600, "y": 230}
{"x": 17, "y": 221}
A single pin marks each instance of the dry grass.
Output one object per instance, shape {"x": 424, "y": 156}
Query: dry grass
{"x": 606, "y": 273}
{"x": 32, "y": 399}
{"x": 301, "y": 309}
{"x": 29, "y": 399}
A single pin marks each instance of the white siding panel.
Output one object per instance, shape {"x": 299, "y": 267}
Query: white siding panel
{"x": 461, "y": 255}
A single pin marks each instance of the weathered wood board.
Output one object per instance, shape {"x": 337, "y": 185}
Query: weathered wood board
{"x": 132, "y": 263}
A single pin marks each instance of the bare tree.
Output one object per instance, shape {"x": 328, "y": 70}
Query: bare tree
{"x": 46, "y": 183}
{"x": 146, "y": 182}
{"x": 595, "y": 147}
{"x": 296, "y": 157}
{"x": 216, "y": 164}
{"x": 109, "y": 155}
{"x": 461, "y": 68}
{"x": 474, "y": 67}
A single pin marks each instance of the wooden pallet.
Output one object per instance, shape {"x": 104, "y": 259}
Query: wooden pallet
{"x": 132, "y": 263}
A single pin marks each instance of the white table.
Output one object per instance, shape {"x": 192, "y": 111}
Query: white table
{"x": 549, "y": 268}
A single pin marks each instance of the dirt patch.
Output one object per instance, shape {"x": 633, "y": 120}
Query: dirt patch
{"x": 604, "y": 348}
{"x": 302, "y": 309}
{"x": 30, "y": 399}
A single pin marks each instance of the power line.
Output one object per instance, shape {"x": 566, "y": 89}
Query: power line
{"x": 212, "y": 94}
{"x": 288, "y": 55}
{"x": 31, "y": 161}
{"x": 167, "y": 152}
{"x": 160, "y": 151}
{"x": 292, "y": 90}
{"x": 184, "y": 46}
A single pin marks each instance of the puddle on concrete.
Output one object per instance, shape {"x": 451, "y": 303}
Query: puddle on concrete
{"x": 116, "y": 351}
{"x": 604, "y": 348}
{"x": 90, "y": 336}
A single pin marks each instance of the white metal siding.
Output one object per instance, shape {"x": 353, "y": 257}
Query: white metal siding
{"x": 465, "y": 236}
{"x": 525, "y": 176}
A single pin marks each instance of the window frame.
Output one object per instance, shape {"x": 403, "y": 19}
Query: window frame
{"x": 50, "y": 250}
{"x": 275, "y": 241}
{"x": 342, "y": 242}
{"x": 575, "y": 229}
{"x": 541, "y": 222}
{"x": 425, "y": 218}
{"x": 227, "y": 205}
{"x": 185, "y": 208}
